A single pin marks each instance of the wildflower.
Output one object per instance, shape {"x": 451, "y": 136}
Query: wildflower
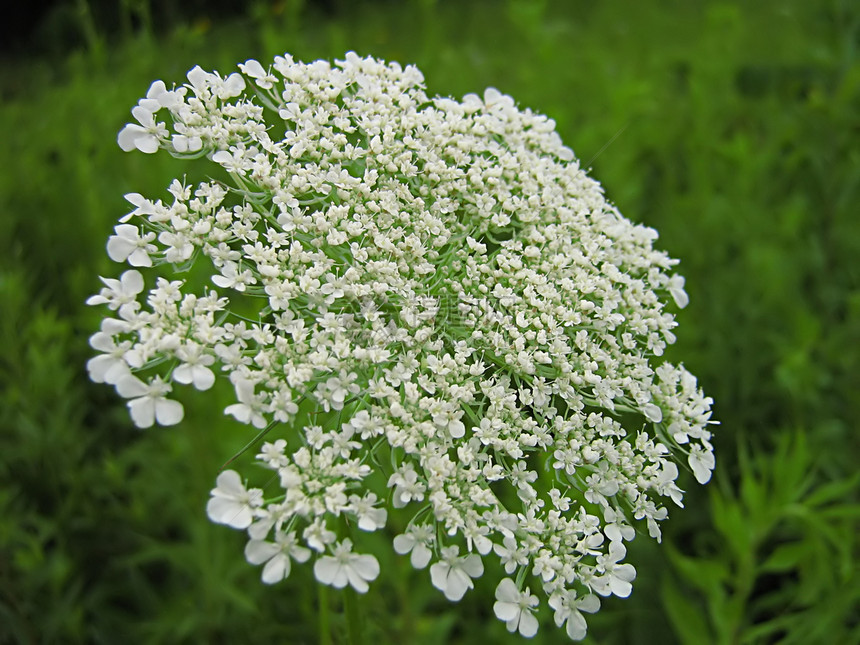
{"x": 568, "y": 611}
{"x": 516, "y": 608}
{"x": 416, "y": 542}
{"x": 345, "y": 567}
{"x": 231, "y": 503}
{"x": 276, "y": 556}
{"x": 148, "y": 402}
{"x": 127, "y": 244}
{"x": 453, "y": 574}
{"x": 145, "y": 135}
{"x": 430, "y": 297}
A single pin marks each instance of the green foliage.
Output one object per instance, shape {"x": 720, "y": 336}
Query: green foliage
{"x": 780, "y": 567}
{"x": 730, "y": 127}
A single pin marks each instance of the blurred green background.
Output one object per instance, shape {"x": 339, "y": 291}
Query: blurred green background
{"x": 733, "y": 128}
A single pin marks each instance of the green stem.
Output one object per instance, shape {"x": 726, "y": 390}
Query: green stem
{"x": 353, "y": 616}
{"x": 324, "y": 625}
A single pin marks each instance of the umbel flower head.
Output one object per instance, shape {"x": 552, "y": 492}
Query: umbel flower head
{"x": 434, "y": 312}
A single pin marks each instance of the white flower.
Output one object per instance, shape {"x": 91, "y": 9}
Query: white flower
{"x": 148, "y": 402}
{"x": 158, "y": 96}
{"x": 318, "y": 536}
{"x": 568, "y": 609}
{"x": 276, "y": 556}
{"x": 127, "y": 244}
{"x": 146, "y": 136}
{"x": 452, "y": 575}
{"x": 120, "y": 294}
{"x": 345, "y": 567}
{"x": 676, "y": 290}
{"x": 377, "y": 249}
{"x": 194, "y": 368}
{"x": 653, "y": 413}
{"x": 617, "y": 528}
{"x": 231, "y": 503}
{"x": 415, "y": 541}
{"x": 516, "y": 608}
{"x": 616, "y": 578}
{"x": 370, "y": 517}
{"x": 109, "y": 367}
{"x": 183, "y": 143}
{"x": 253, "y": 69}
{"x": 702, "y": 462}
{"x": 407, "y": 487}
{"x": 510, "y": 554}
{"x": 250, "y": 405}
{"x": 142, "y": 206}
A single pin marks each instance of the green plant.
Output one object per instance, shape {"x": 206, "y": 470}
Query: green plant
{"x": 783, "y": 567}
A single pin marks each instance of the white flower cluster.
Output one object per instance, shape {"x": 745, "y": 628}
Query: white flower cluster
{"x": 433, "y": 308}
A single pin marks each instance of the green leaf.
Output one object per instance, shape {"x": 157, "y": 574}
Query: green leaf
{"x": 703, "y": 573}
{"x": 834, "y": 491}
{"x": 688, "y": 620}
{"x": 785, "y": 557}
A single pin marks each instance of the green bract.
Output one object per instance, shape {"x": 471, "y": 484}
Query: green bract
{"x": 441, "y": 318}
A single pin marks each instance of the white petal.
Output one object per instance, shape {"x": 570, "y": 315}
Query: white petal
{"x": 230, "y": 512}
{"x": 239, "y": 411}
{"x": 119, "y": 248}
{"x": 253, "y": 68}
{"x": 184, "y": 374}
{"x": 653, "y": 413}
{"x": 223, "y": 157}
{"x": 260, "y": 551}
{"x": 143, "y": 115}
{"x": 276, "y": 569}
{"x": 117, "y": 371}
{"x": 620, "y": 587}
{"x": 456, "y": 429}
{"x": 99, "y": 366}
{"x": 203, "y": 377}
{"x": 439, "y": 575}
{"x": 700, "y": 469}
{"x": 576, "y": 626}
{"x": 404, "y": 543}
{"x": 229, "y": 484}
{"x": 112, "y": 326}
{"x": 233, "y": 85}
{"x": 506, "y": 610}
{"x": 135, "y": 199}
{"x": 507, "y": 592}
{"x": 300, "y": 554}
{"x": 139, "y": 258}
{"x": 458, "y": 584}
{"x": 142, "y": 411}
{"x": 366, "y": 566}
{"x": 197, "y": 77}
{"x": 128, "y": 136}
{"x": 130, "y": 387}
{"x": 473, "y": 565}
{"x": 420, "y": 556}
{"x": 355, "y": 580}
{"x": 168, "y": 412}
{"x": 156, "y": 89}
{"x": 147, "y": 144}
{"x": 132, "y": 282}
{"x": 326, "y": 569}
{"x": 588, "y": 604}
{"x": 528, "y": 624}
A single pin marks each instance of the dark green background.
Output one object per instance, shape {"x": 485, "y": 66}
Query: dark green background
{"x": 733, "y": 128}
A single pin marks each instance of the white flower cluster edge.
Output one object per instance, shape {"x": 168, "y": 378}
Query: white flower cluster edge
{"x": 434, "y": 311}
